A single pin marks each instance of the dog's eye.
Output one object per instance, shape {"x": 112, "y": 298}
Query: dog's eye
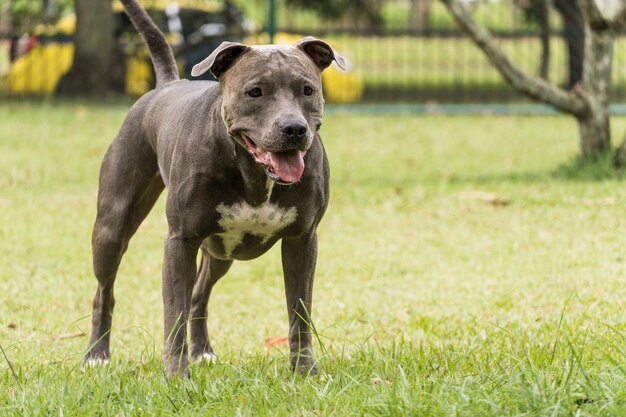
{"x": 308, "y": 91}
{"x": 254, "y": 92}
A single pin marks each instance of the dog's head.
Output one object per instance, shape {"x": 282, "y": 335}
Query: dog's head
{"x": 272, "y": 99}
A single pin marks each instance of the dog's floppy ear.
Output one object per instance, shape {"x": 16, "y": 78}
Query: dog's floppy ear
{"x": 321, "y": 53}
{"x": 220, "y": 59}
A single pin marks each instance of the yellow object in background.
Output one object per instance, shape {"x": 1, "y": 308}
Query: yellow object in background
{"x": 341, "y": 87}
{"x": 206, "y": 5}
{"x": 40, "y": 70}
{"x": 139, "y": 75}
{"x": 66, "y": 25}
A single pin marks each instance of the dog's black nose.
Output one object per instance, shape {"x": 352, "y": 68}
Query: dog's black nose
{"x": 295, "y": 130}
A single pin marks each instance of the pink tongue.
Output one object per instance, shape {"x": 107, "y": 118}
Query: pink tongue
{"x": 288, "y": 165}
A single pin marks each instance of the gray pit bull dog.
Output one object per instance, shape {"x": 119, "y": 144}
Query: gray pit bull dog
{"x": 244, "y": 167}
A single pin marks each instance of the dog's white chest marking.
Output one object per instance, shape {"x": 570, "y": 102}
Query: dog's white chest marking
{"x": 241, "y": 219}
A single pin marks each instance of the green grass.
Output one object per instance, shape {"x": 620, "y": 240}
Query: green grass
{"x": 429, "y": 300}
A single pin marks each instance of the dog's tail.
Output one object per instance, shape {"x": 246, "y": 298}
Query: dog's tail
{"x": 160, "y": 51}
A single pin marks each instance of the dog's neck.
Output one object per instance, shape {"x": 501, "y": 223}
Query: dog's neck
{"x": 256, "y": 185}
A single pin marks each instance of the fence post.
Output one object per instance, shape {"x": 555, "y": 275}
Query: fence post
{"x": 271, "y": 19}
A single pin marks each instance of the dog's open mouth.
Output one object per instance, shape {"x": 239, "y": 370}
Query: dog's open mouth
{"x": 283, "y": 167}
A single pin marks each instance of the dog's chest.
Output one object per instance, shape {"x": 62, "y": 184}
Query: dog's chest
{"x": 241, "y": 219}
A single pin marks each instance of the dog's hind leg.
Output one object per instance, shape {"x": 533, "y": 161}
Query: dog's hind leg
{"x": 130, "y": 184}
{"x": 210, "y": 271}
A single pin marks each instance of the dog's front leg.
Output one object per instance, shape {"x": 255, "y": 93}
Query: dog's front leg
{"x": 299, "y": 256}
{"x": 179, "y": 273}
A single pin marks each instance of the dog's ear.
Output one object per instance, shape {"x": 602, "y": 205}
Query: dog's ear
{"x": 220, "y": 59}
{"x": 321, "y": 53}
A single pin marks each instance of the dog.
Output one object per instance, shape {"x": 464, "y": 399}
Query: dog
{"x": 244, "y": 166}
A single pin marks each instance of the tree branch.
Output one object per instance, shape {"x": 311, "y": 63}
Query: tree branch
{"x": 567, "y": 102}
{"x": 619, "y": 21}
{"x": 597, "y": 21}
{"x": 593, "y": 15}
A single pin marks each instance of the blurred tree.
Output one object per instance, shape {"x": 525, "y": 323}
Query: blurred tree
{"x": 50, "y": 9}
{"x": 368, "y": 10}
{"x": 27, "y": 13}
{"x": 6, "y": 20}
{"x": 536, "y": 11}
{"x": 19, "y": 17}
{"x": 420, "y": 14}
{"x": 94, "y": 67}
{"x": 588, "y": 102}
{"x": 573, "y": 31}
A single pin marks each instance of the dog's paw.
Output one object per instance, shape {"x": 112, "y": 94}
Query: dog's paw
{"x": 204, "y": 358}
{"x": 307, "y": 370}
{"x": 208, "y": 357}
{"x": 173, "y": 372}
{"x": 305, "y": 366}
{"x": 95, "y": 362}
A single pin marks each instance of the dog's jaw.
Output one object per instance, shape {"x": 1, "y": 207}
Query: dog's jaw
{"x": 284, "y": 167}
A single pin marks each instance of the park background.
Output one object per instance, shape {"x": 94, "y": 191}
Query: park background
{"x": 471, "y": 261}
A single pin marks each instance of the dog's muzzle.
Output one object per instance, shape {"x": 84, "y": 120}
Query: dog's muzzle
{"x": 284, "y": 167}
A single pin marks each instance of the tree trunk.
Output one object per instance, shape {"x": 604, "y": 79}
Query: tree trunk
{"x": 595, "y": 138}
{"x": 420, "y": 15}
{"x": 6, "y": 25}
{"x": 574, "y": 34}
{"x": 544, "y": 32}
{"x": 620, "y": 155}
{"x": 594, "y": 127}
{"x": 93, "y": 69}
{"x": 50, "y": 10}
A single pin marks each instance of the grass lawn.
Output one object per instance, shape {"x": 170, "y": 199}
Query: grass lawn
{"x": 465, "y": 268}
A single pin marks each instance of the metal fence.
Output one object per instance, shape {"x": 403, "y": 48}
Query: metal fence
{"x": 402, "y": 51}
